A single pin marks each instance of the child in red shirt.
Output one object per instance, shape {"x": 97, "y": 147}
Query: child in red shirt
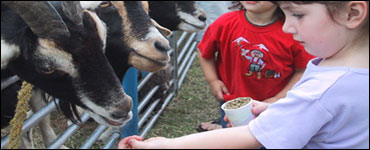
{"x": 245, "y": 53}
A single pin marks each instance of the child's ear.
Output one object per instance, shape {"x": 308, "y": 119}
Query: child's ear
{"x": 357, "y": 12}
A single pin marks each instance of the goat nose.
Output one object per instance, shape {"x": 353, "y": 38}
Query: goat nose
{"x": 119, "y": 114}
{"x": 202, "y": 18}
{"x": 161, "y": 46}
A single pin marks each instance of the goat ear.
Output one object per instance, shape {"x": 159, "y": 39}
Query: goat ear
{"x": 145, "y": 6}
{"x": 9, "y": 52}
{"x": 166, "y": 32}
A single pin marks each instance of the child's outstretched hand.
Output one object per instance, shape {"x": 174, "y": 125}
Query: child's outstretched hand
{"x": 126, "y": 142}
{"x": 136, "y": 142}
{"x": 151, "y": 143}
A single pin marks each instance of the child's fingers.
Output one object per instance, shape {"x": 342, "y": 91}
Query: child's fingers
{"x": 151, "y": 143}
{"x": 258, "y": 107}
{"x": 138, "y": 144}
{"x": 227, "y": 120}
{"x": 225, "y": 90}
{"x": 124, "y": 143}
{"x": 220, "y": 97}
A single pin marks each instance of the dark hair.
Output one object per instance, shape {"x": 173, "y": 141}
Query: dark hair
{"x": 334, "y": 7}
{"x": 237, "y": 5}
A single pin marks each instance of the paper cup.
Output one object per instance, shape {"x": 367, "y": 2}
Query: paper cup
{"x": 239, "y": 116}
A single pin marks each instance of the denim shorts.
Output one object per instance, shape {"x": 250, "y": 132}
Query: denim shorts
{"x": 223, "y": 122}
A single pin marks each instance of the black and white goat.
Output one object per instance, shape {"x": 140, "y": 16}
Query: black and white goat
{"x": 60, "y": 49}
{"x": 178, "y": 15}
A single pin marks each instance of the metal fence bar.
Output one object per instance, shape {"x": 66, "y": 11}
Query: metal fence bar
{"x": 68, "y": 133}
{"x": 186, "y": 69}
{"x": 33, "y": 120}
{"x": 185, "y": 48}
{"x": 155, "y": 118}
{"x": 112, "y": 140}
{"x": 147, "y": 98}
{"x": 145, "y": 80}
{"x": 181, "y": 38}
{"x": 148, "y": 112}
{"x": 186, "y": 58}
{"x": 174, "y": 62}
{"x": 4, "y": 141}
{"x": 39, "y": 115}
{"x": 94, "y": 136}
{"x": 6, "y": 82}
{"x": 170, "y": 51}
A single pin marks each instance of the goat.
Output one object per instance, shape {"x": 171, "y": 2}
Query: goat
{"x": 132, "y": 39}
{"x": 59, "y": 48}
{"x": 174, "y": 15}
{"x": 131, "y": 33}
{"x": 178, "y": 15}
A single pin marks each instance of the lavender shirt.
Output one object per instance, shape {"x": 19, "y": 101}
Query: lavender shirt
{"x": 327, "y": 108}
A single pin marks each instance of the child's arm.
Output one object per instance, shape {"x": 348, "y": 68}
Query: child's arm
{"x": 227, "y": 138}
{"x": 210, "y": 72}
{"x": 208, "y": 67}
{"x": 295, "y": 78}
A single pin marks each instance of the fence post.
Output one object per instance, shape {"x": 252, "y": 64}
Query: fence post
{"x": 173, "y": 42}
{"x": 129, "y": 84}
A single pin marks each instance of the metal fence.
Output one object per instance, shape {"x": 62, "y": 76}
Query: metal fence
{"x": 182, "y": 53}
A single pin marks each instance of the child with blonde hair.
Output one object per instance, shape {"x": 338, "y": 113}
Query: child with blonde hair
{"x": 327, "y": 108}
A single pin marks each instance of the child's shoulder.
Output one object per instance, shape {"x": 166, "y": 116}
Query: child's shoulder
{"x": 318, "y": 81}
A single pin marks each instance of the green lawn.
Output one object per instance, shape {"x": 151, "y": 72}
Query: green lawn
{"x": 193, "y": 104}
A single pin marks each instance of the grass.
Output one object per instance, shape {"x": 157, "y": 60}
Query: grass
{"x": 193, "y": 104}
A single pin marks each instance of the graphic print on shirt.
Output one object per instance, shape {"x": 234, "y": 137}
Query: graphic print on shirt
{"x": 254, "y": 54}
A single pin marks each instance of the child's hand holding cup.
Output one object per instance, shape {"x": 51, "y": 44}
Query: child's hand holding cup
{"x": 238, "y": 111}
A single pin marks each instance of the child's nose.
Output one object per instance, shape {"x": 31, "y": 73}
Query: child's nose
{"x": 289, "y": 28}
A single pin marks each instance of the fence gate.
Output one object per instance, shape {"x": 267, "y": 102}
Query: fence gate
{"x": 182, "y": 54}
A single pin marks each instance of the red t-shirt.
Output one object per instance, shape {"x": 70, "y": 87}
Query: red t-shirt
{"x": 252, "y": 60}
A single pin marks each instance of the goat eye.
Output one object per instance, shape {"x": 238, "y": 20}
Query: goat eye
{"x": 105, "y": 4}
{"x": 47, "y": 70}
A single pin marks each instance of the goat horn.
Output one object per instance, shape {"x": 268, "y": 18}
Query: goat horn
{"x": 41, "y": 17}
{"x": 73, "y": 11}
